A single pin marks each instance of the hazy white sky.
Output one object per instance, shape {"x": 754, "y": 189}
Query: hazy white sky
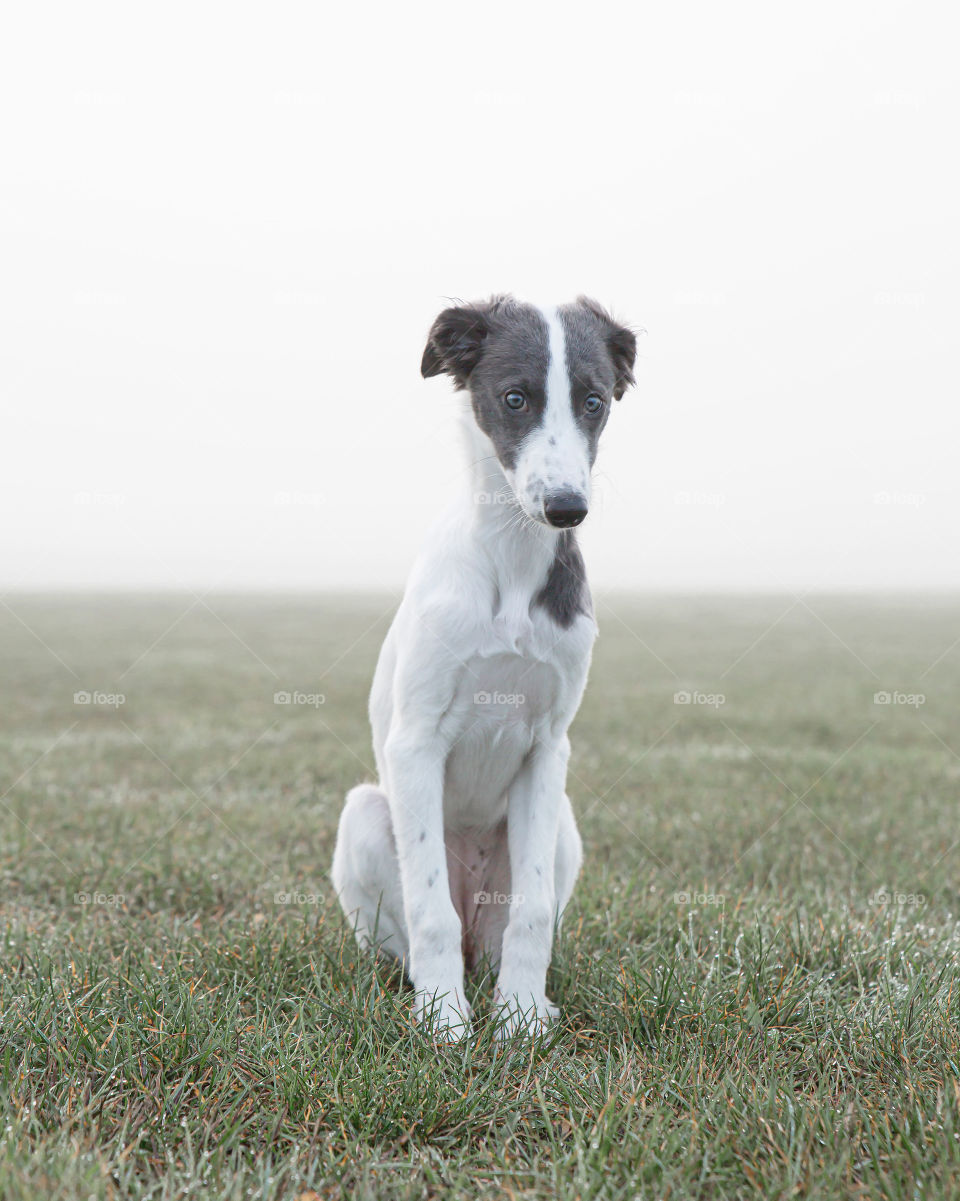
{"x": 226, "y": 229}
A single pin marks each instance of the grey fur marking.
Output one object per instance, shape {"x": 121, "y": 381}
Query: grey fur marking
{"x": 600, "y": 351}
{"x": 495, "y": 345}
{"x": 565, "y": 595}
{"x": 500, "y": 344}
{"x": 491, "y": 347}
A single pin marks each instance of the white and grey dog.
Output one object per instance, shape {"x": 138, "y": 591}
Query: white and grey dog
{"x": 468, "y": 846}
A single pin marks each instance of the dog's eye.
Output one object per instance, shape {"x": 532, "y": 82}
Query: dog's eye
{"x": 592, "y": 405}
{"x": 514, "y": 399}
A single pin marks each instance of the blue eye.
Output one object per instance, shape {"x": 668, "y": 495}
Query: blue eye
{"x": 592, "y": 405}
{"x": 514, "y": 399}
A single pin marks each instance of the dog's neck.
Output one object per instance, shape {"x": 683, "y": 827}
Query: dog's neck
{"x": 520, "y": 551}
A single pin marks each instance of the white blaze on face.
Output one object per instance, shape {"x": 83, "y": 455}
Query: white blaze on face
{"x": 554, "y": 458}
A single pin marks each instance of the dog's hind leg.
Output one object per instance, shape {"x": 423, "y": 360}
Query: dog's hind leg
{"x": 366, "y": 875}
{"x": 490, "y": 917}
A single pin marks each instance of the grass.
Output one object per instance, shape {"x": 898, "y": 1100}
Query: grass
{"x": 758, "y": 974}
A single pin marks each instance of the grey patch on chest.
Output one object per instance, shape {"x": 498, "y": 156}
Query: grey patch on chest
{"x": 565, "y": 595}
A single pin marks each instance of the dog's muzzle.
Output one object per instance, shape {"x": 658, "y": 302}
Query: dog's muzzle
{"x": 564, "y": 509}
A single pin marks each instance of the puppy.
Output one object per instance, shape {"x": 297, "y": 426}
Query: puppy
{"x": 467, "y": 846}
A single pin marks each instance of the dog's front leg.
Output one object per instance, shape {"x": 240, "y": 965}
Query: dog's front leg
{"x": 416, "y": 761}
{"x": 533, "y": 813}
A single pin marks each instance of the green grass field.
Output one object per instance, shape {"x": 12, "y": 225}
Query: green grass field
{"x": 758, "y": 974}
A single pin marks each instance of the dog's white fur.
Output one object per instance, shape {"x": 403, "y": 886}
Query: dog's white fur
{"x": 469, "y": 835}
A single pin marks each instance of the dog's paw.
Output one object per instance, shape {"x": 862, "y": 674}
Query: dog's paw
{"x": 523, "y": 1012}
{"x": 444, "y": 1016}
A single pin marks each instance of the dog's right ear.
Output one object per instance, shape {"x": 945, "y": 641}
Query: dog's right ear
{"x": 455, "y": 343}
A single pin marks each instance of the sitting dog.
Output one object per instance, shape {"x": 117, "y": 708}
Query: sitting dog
{"x": 467, "y": 846}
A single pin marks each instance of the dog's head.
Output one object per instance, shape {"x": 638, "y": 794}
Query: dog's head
{"x": 541, "y": 382}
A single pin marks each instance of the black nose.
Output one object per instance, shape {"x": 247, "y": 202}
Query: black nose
{"x": 565, "y": 508}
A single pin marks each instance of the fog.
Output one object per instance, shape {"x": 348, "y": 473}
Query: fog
{"x": 226, "y": 231}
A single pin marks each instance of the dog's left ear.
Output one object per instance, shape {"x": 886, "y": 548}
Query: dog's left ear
{"x": 455, "y": 342}
{"x": 621, "y": 343}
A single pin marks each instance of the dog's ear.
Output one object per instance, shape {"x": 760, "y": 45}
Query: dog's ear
{"x": 623, "y": 350}
{"x": 455, "y": 342}
{"x": 621, "y": 343}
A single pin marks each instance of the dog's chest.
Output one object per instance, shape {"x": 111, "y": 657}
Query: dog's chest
{"x": 519, "y": 677}
{"x": 516, "y": 629}
{"x": 522, "y": 665}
